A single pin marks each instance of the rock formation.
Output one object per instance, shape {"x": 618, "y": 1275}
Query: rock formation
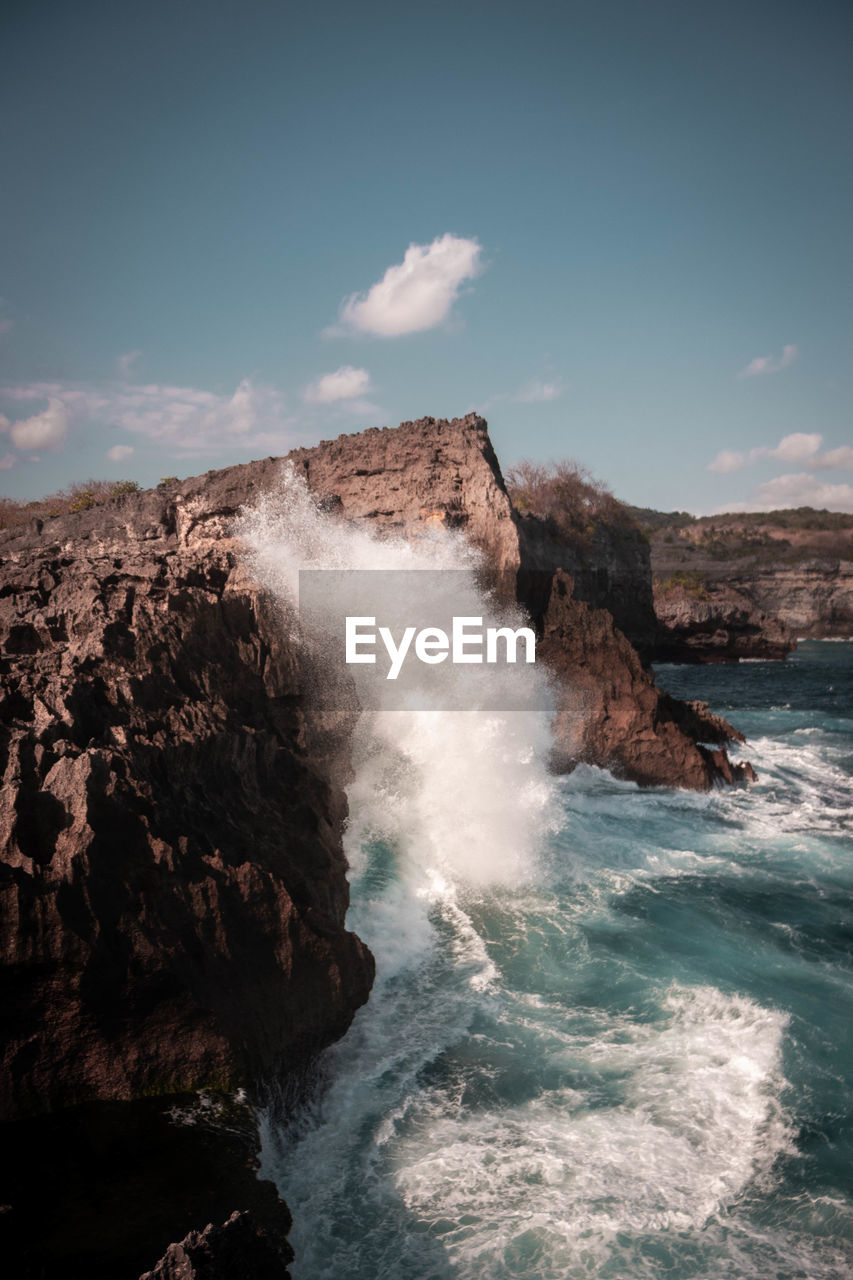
{"x": 172, "y": 884}
{"x": 426, "y": 473}
{"x": 431, "y": 472}
{"x": 613, "y": 715}
{"x": 749, "y": 584}
{"x": 715, "y": 623}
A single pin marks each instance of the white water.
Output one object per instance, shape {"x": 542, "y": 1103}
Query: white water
{"x": 531, "y": 1091}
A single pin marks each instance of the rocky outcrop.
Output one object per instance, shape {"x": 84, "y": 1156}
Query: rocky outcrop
{"x": 239, "y": 1249}
{"x": 103, "y": 1191}
{"x": 813, "y": 598}
{"x": 767, "y": 578}
{"x": 438, "y": 473}
{"x": 172, "y": 882}
{"x": 715, "y": 623}
{"x": 429, "y": 473}
{"x": 612, "y": 714}
{"x": 173, "y": 886}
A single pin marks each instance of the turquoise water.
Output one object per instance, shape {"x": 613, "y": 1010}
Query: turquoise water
{"x": 627, "y": 1056}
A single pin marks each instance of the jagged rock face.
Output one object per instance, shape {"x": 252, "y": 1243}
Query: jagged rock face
{"x": 434, "y": 472}
{"x": 610, "y": 570}
{"x": 813, "y": 599}
{"x": 420, "y": 474}
{"x": 239, "y": 1249}
{"x": 172, "y": 884}
{"x": 613, "y": 715}
{"x": 716, "y": 624}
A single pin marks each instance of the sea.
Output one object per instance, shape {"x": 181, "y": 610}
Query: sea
{"x": 611, "y": 1033}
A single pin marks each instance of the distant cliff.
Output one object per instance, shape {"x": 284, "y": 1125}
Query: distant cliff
{"x": 750, "y": 585}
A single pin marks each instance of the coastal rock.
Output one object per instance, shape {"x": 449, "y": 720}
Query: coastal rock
{"x": 715, "y": 623}
{"x": 612, "y": 714}
{"x": 435, "y": 472}
{"x": 788, "y": 573}
{"x": 239, "y": 1249}
{"x": 438, "y": 472}
{"x": 172, "y": 884}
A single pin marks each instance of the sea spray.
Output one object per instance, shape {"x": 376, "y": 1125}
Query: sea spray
{"x": 580, "y": 1055}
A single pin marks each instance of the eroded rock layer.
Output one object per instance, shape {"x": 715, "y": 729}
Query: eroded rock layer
{"x": 173, "y": 887}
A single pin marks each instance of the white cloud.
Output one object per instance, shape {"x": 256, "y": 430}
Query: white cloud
{"x": 120, "y": 452}
{"x": 415, "y": 294}
{"x": 45, "y": 430}
{"x": 125, "y": 363}
{"x": 181, "y": 420}
{"x": 802, "y": 490}
{"x": 7, "y": 461}
{"x": 539, "y": 392}
{"x": 727, "y": 460}
{"x": 797, "y": 447}
{"x": 840, "y": 459}
{"x": 769, "y": 364}
{"x": 346, "y": 383}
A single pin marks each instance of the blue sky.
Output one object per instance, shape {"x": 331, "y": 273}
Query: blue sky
{"x": 620, "y": 230}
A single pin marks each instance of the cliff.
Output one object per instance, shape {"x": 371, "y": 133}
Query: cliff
{"x": 434, "y": 472}
{"x": 173, "y": 880}
{"x": 611, "y": 712}
{"x": 713, "y": 622}
{"x": 765, "y": 578}
{"x": 429, "y": 473}
{"x": 172, "y": 884}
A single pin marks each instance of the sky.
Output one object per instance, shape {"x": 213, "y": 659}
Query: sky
{"x": 619, "y": 229}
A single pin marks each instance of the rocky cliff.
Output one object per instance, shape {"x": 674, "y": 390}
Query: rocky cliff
{"x": 172, "y": 884}
{"x": 712, "y": 622}
{"x": 434, "y": 472}
{"x": 429, "y": 473}
{"x": 750, "y": 585}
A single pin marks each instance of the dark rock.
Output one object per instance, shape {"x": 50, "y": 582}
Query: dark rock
{"x": 172, "y": 885}
{"x": 240, "y": 1249}
{"x": 612, "y": 714}
{"x": 102, "y": 1191}
{"x": 715, "y": 623}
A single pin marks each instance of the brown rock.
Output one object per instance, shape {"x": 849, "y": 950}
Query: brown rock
{"x": 716, "y": 623}
{"x": 172, "y": 884}
{"x": 611, "y": 712}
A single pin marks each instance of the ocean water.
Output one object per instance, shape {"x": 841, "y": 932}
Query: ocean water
{"x": 610, "y": 1034}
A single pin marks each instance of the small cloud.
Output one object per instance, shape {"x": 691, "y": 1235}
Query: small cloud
{"x": 539, "y": 392}
{"x": 345, "y": 383}
{"x": 726, "y": 461}
{"x": 415, "y": 294}
{"x": 183, "y": 420}
{"x": 45, "y": 430}
{"x": 5, "y": 424}
{"x": 120, "y": 452}
{"x": 797, "y": 447}
{"x": 7, "y": 461}
{"x": 770, "y": 364}
{"x": 125, "y": 363}
{"x": 801, "y": 490}
{"x": 840, "y": 459}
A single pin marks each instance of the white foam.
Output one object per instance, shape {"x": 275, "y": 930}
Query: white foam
{"x": 699, "y": 1118}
